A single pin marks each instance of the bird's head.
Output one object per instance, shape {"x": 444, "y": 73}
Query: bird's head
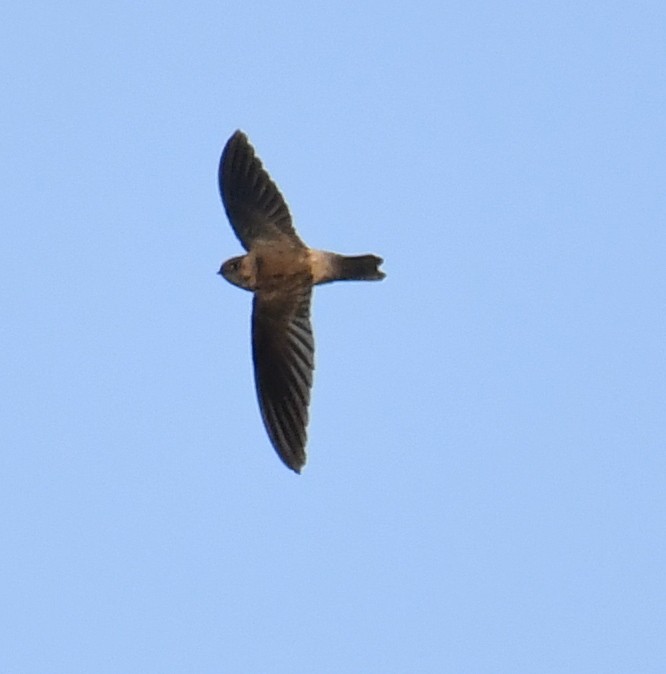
{"x": 235, "y": 271}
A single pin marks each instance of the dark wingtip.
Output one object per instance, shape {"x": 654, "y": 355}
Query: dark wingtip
{"x": 293, "y": 463}
{"x": 295, "y": 467}
{"x": 238, "y": 136}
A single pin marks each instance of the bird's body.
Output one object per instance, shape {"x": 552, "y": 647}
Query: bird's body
{"x": 281, "y": 271}
{"x": 270, "y": 266}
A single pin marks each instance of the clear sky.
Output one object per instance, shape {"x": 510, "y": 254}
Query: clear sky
{"x": 485, "y": 490}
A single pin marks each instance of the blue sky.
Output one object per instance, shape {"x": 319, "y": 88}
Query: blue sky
{"x": 485, "y": 485}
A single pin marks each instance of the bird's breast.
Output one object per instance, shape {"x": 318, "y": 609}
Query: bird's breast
{"x": 279, "y": 268}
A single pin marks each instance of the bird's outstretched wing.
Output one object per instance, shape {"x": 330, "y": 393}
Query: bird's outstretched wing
{"x": 283, "y": 352}
{"x": 255, "y": 208}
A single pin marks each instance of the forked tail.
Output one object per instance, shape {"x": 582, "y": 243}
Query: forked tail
{"x": 359, "y": 268}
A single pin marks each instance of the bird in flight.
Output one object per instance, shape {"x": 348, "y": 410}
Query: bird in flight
{"x": 280, "y": 271}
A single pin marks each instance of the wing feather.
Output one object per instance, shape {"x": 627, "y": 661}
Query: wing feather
{"x": 254, "y": 205}
{"x": 283, "y": 353}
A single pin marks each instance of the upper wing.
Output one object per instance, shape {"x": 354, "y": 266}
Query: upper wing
{"x": 254, "y": 205}
{"x": 283, "y": 352}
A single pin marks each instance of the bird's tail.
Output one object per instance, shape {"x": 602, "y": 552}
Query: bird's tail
{"x": 359, "y": 268}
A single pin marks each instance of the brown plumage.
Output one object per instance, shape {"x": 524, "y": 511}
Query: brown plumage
{"x": 281, "y": 271}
